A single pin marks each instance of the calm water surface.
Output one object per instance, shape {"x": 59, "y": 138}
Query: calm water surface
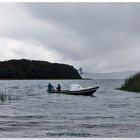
{"x": 30, "y": 111}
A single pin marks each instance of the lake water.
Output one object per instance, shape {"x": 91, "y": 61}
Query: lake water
{"x": 30, "y": 111}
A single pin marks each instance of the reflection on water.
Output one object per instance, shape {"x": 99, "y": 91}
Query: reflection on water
{"x": 27, "y": 110}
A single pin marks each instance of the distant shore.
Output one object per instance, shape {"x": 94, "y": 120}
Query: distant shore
{"x": 49, "y": 79}
{"x": 33, "y": 69}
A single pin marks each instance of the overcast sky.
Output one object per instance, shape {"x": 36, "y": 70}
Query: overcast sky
{"x": 99, "y": 37}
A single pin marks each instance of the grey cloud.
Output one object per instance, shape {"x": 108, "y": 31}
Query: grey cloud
{"x": 101, "y": 24}
{"x": 90, "y": 34}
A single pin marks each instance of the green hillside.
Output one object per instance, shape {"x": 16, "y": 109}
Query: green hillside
{"x": 31, "y": 69}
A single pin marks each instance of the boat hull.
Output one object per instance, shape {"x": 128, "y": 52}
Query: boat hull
{"x": 84, "y": 92}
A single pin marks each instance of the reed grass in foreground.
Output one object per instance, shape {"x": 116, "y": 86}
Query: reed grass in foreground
{"x": 4, "y": 97}
{"x": 132, "y": 84}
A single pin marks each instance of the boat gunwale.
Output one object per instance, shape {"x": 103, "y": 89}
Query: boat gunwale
{"x": 77, "y": 92}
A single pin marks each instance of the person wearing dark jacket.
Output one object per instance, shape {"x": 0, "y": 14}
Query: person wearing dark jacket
{"x": 50, "y": 87}
{"x": 58, "y": 87}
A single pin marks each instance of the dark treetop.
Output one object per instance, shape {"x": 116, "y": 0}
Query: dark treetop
{"x": 31, "y": 69}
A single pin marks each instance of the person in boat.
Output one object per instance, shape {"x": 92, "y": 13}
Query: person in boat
{"x": 50, "y": 87}
{"x": 58, "y": 87}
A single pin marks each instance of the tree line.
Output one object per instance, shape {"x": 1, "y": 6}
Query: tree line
{"x": 32, "y": 69}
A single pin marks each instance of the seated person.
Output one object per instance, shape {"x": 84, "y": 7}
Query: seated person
{"x": 50, "y": 87}
{"x": 58, "y": 87}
